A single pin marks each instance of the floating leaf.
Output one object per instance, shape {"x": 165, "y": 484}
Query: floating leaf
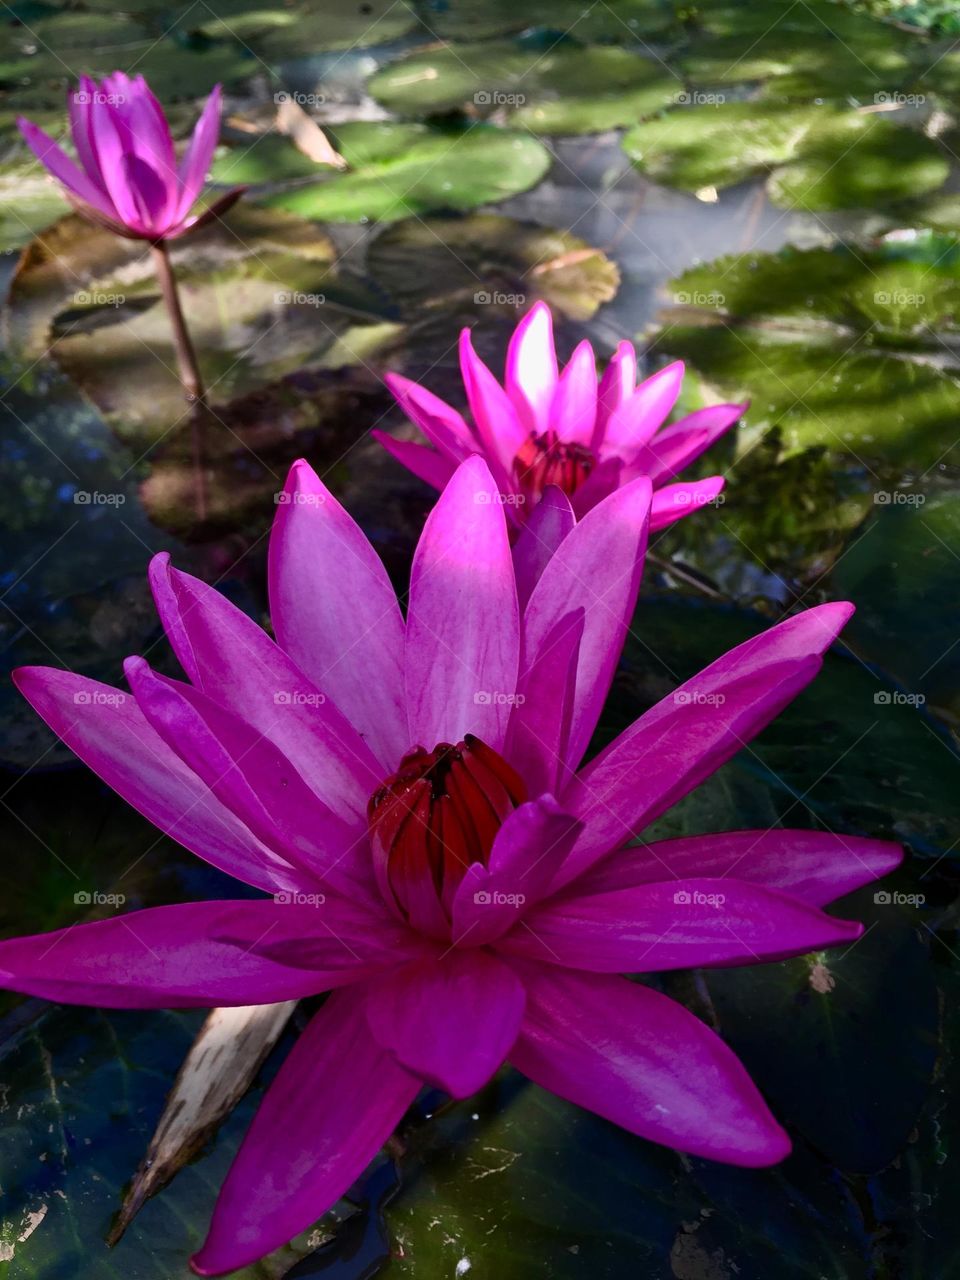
{"x": 400, "y": 169}
{"x": 620, "y": 21}
{"x": 565, "y": 89}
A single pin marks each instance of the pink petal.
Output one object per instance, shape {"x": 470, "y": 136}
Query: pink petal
{"x": 538, "y": 742}
{"x": 674, "y": 501}
{"x": 55, "y": 159}
{"x": 463, "y": 629}
{"x": 573, "y": 410}
{"x": 147, "y": 143}
{"x": 148, "y": 191}
{"x": 450, "y": 1021}
{"x": 196, "y": 954}
{"x": 79, "y": 107}
{"x": 335, "y": 1101}
{"x": 679, "y": 444}
{"x": 426, "y": 464}
{"x": 233, "y": 661}
{"x": 527, "y": 852}
{"x": 694, "y": 730}
{"x": 674, "y": 924}
{"x": 249, "y": 775}
{"x": 545, "y": 528}
{"x": 109, "y": 147}
{"x": 639, "y": 1059}
{"x": 531, "y": 369}
{"x": 619, "y": 382}
{"x": 599, "y": 484}
{"x": 107, "y": 730}
{"x": 597, "y": 567}
{"x": 499, "y": 428}
{"x": 442, "y": 425}
{"x": 336, "y": 614}
{"x": 636, "y": 419}
{"x": 814, "y": 866}
{"x": 199, "y": 153}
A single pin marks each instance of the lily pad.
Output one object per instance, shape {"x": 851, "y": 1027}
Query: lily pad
{"x": 566, "y": 89}
{"x": 620, "y": 21}
{"x": 400, "y": 169}
{"x": 29, "y": 201}
{"x": 260, "y": 289}
{"x": 820, "y": 158}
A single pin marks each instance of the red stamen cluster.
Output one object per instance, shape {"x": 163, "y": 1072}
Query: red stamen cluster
{"x": 545, "y": 459}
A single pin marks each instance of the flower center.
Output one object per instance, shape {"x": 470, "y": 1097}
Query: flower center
{"x": 433, "y": 818}
{"x": 544, "y": 459}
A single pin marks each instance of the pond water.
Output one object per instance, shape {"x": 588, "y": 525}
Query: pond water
{"x": 768, "y": 191}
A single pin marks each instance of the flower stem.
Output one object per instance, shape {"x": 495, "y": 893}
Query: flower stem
{"x": 187, "y": 363}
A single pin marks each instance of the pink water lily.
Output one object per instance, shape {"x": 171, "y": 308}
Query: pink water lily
{"x": 410, "y": 792}
{"x": 569, "y": 430}
{"x": 128, "y": 177}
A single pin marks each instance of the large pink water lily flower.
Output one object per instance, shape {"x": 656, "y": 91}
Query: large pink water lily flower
{"x": 543, "y": 427}
{"x": 128, "y": 177}
{"x": 409, "y": 791}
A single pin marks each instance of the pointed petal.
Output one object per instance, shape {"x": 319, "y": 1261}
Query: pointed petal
{"x": 679, "y": 444}
{"x": 674, "y": 501}
{"x": 599, "y": 484}
{"x": 694, "y": 730}
{"x": 814, "y": 866}
{"x": 212, "y": 212}
{"x": 573, "y": 410}
{"x": 531, "y": 370}
{"x": 336, "y": 1100}
{"x": 639, "y": 1059}
{"x": 528, "y": 850}
{"x": 545, "y": 528}
{"x": 59, "y": 164}
{"x": 499, "y": 428}
{"x": 597, "y": 567}
{"x": 199, "y": 153}
{"x": 463, "y": 629}
{"x": 234, "y": 662}
{"x": 107, "y": 730}
{"x": 335, "y": 612}
{"x": 443, "y": 426}
{"x": 108, "y": 145}
{"x": 195, "y": 954}
{"x": 249, "y": 775}
{"x": 427, "y": 464}
{"x": 674, "y": 924}
{"x": 450, "y": 1021}
{"x": 79, "y": 106}
{"x": 618, "y": 383}
{"x": 538, "y": 741}
{"x": 636, "y": 419}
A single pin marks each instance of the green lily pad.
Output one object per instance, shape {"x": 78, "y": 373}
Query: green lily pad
{"x": 567, "y": 89}
{"x": 402, "y": 169}
{"x": 821, "y": 158}
{"x": 339, "y": 24}
{"x": 901, "y": 567}
{"x": 28, "y": 203}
